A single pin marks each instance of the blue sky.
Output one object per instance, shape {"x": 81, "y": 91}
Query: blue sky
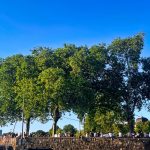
{"x": 25, "y": 24}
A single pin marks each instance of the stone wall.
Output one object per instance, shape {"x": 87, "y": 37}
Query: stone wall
{"x": 86, "y": 143}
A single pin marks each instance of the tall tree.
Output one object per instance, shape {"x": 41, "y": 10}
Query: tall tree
{"x": 126, "y": 54}
{"x": 26, "y": 90}
{"x": 8, "y": 68}
{"x": 53, "y": 83}
{"x": 54, "y": 79}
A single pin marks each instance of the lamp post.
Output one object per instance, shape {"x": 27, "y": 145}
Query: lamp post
{"x": 22, "y": 133}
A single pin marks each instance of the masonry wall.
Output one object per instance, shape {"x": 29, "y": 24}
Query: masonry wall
{"x": 87, "y": 144}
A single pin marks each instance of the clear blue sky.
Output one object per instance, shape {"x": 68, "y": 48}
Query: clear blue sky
{"x": 25, "y": 24}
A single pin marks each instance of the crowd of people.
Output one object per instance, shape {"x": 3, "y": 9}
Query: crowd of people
{"x": 120, "y": 135}
{"x": 139, "y": 134}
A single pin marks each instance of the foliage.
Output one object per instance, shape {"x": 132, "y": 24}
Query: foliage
{"x": 125, "y": 54}
{"x": 103, "y": 83}
{"x": 26, "y": 90}
{"x": 79, "y": 133}
{"x": 39, "y": 133}
{"x": 143, "y": 127}
{"x": 146, "y": 80}
{"x": 9, "y": 110}
{"x": 105, "y": 123}
{"x": 69, "y": 129}
{"x": 138, "y": 127}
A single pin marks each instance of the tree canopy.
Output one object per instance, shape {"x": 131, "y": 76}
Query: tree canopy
{"x": 91, "y": 81}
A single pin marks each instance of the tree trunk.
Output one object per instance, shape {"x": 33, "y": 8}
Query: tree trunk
{"x": 130, "y": 121}
{"x": 56, "y": 116}
{"x": 54, "y": 127}
{"x": 27, "y": 126}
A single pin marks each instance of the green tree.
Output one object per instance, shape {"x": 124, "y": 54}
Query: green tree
{"x": 54, "y": 79}
{"x": 139, "y": 127}
{"x": 125, "y": 53}
{"x": 90, "y": 124}
{"x": 143, "y": 127}
{"x": 40, "y": 133}
{"x": 105, "y": 123}
{"x": 9, "y": 111}
{"x": 146, "y": 127}
{"x": 26, "y": 90}
{"x": 69, "y": 129}
{"x": 53, "y": 85}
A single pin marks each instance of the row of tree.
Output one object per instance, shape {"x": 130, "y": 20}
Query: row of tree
{"x": 88, "y": 81}
{"x": 112, "y": 123}
{"x": 68, "y": 130}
